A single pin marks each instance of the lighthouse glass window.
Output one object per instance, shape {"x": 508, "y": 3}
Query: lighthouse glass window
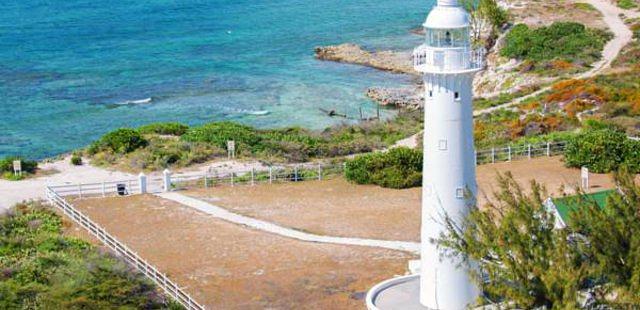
{"x": 458, "y": 37}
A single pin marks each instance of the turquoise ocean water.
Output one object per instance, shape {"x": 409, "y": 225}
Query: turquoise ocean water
{"x": 72, "y": 70}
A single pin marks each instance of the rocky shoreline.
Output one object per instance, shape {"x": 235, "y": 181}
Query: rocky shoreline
{"x": 409, "y": 97}
{"x": 396, "y": 62}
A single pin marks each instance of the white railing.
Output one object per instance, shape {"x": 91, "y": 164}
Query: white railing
{"x": 254, "y": 176}
{"x": 121, "y": 250}
{"x": 97, "y": 189}
{"x": 438, "y": 60}
{"x": 526, "y": 151}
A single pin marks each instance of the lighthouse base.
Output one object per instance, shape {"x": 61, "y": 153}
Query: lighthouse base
{"x": 395, "y": 294}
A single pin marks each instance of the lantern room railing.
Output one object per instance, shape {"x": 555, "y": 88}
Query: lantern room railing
{"x": 430, "y": 59}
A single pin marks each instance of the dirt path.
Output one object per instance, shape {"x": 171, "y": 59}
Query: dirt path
{"x": 223, "y": 214}
{"x": 622, "y": 37}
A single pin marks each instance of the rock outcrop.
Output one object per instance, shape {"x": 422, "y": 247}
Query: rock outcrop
{"x": 397, "y": 62}
{"x": 410, "y": 97}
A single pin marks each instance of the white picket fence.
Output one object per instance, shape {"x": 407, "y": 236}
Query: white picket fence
{"x": 526, "y": 151}
{"x": 120, "y": 249}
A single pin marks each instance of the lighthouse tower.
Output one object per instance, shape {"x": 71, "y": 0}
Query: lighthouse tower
{"x": 448, "y": 64}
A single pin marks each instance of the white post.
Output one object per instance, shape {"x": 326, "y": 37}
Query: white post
{"x": 548, "y": 149}
{"x": 295, "y": 174}
{"x": 142, "y": 180}
{"x": 509, "y": 150}
{"x": 205, "y": 180}
{"x": 253, "y": 176}
{"x": 232, "y": 180}
{"x": 270, "y": 174}
{"x": 529, "y": 151}
{"x": 475, "y": 158}
{"x": 80, "y": 190}
{"x": 167, "y": 180}
{"x": 104, "y": 190}
{"x": 319, "y": 172}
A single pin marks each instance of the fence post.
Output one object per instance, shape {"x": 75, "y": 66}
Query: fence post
{"x": 253, "y": 176}
{"x": 205, "y": 180}
{"x": 529, "y": 151}
{"x": 319, "y": 172}
{"x": 80, "y": 190}
{"x": 548, "y": 149}
{"x": 493, "y": 155}
{"x": 475, "y": 157}
{"x": 509, "y": 150}
{"x": 167, "y": 180}
{"x": 295, "y": 173}
{"x": 232, "y": 181}
{"x": 142, "y": 179}
{"x": 270, "y": 174}
{"x": 104, "y": 190}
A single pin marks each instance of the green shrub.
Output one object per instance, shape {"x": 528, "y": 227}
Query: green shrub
{"x": 41, "y": 268}
{"x": 167, "y": 128}
{"x": 396, "y": 168}
{"x": 28, "y": 166}
{"x": 632, "y": 155}
{"x": 120, "y": 141}
{"x": 567, "y": 41}
{"x": 219, "y": 133}
{"x": 601, "y": 150}
{"x": 76, "y": 159}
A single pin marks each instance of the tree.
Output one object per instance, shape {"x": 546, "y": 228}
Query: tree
{"x": 485, "y": 16}
{"x": 613, "y": 234}
{"x": 525, "y": 261}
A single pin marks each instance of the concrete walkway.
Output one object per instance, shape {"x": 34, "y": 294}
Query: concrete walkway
{"x": 224, "y": 214}
{"x": 622, "y": 37}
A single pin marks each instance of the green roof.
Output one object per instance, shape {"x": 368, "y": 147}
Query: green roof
{"x": 565, "y": 205}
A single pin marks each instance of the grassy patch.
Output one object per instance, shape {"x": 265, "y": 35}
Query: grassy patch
{"x": 563, "y": 47}
{"x": 43, "y": 269}
{"x": 152, "y": 151}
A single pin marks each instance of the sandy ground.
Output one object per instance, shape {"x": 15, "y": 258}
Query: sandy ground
{"x": 62, "y": 172}
{"x": 226, "y": 266}
{"x": 338, "y": 208}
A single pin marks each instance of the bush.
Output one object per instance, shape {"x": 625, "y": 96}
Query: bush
{"x": 397, "y": 168}
{"x": 120, "y": 141}
{"x": 632, "y": 155}
{"x": 76, "y": 160}
{"x": 221, "y": 132}
{"x": 168, "y": 128}
{"x": 566, "y": 41}
{"x": 28, "y": 166}
{"x": 600, "y": 150}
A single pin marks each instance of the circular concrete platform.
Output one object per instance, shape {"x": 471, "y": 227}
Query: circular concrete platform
{"x": 402, "y": 293}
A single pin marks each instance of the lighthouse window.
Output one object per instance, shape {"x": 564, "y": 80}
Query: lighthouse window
{"x": 442, "y": 145}
{"x": 456, "y": 95}
{"x": 430, "y": 93}
{"x": 460, "y": 192}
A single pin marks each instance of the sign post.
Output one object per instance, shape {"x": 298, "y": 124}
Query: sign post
{"x": 584, "y": 177}
{"x": 17, "y": 167}
{"x": 231, "y": 149}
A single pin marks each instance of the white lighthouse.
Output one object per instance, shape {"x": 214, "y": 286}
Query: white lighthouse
{"x": 448, "y": 63}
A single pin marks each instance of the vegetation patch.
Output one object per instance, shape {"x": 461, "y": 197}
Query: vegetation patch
{"x": 168, "y": 128}
{"x": 129, "y": 149}
{"x": 396, "y": 168}
{"x": 6, "y": 168}
{"x": 43, "y": 269}
{"x": 562, "y": 47}
{"x": 603, "y": 150}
